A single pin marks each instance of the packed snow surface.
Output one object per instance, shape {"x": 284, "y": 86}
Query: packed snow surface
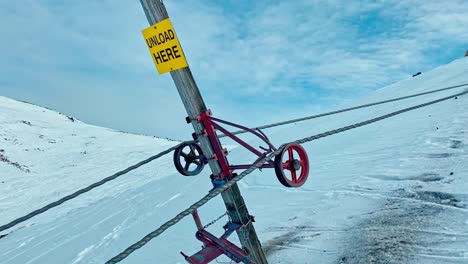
{"x": 392, "y": 192}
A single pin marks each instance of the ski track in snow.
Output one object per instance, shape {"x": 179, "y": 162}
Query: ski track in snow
{"x": 390, "y": 192}
{"x": 168, "y": 201}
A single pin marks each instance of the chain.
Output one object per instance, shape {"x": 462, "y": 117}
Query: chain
{"x": 214, "y": 221}
{"x": 215, "y": 192}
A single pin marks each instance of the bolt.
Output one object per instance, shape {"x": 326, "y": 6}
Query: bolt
{"x": 296, "y": 165}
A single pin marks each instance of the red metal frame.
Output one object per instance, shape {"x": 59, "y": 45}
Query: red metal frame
{"x": 213, "y": 247}
{"x": 211, "y": 125}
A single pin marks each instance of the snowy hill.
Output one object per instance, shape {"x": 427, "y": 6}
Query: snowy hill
{"x": 391, "y": 192}
{"x": 46, "y": 155}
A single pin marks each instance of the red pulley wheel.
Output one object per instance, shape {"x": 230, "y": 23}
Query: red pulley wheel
{"x": 292, "y": 166}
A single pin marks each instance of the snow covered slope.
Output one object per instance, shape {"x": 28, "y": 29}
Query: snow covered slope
{"x": 391, "y": 192}
{"x": 46, "y": 155}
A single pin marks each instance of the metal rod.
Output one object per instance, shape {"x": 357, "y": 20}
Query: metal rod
{"x": 245, "y": 129}
{"x": 197, "y": 219}
{"x": 246, "y": 166}
{"x": 238, "y": 140}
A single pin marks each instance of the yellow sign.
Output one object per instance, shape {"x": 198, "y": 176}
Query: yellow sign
{"x": 164, "y": 47}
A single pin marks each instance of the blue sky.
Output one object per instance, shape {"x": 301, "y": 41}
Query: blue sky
{"x": 254, "y": 61}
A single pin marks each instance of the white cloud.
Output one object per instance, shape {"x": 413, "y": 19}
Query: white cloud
{"x": 317, "y": 41}
{"x": 291, "y": 55}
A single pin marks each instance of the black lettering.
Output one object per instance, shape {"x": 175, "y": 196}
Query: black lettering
{"x": 166, "y": 35}
{"x": 163, "y": 55}
{"x": 157, "y": 58}
{"x": 169, "y": 53}
{"x": 149, "y": 44}
{"x": 171, "y": 33}
{"x": 161, "y": 38}
{"x": 152, "y": 41}
{"x": 175, "y": 51}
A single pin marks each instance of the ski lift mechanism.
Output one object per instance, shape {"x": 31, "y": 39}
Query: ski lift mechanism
{"x": 213, "y": 247}
{"x": 291, "y": 164}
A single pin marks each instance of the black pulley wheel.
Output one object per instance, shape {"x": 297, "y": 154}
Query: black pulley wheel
{"x": 189, "y": 159}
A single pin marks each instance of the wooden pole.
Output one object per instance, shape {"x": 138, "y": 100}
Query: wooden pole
{"x": 155, "y": 11}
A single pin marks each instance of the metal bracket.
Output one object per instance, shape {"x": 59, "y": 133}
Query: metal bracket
{"x": 218, "y": 182}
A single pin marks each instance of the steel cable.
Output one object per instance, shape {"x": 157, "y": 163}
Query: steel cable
{"x": 116, "y": 175}
{"x": 349, "y": 109}
{"x": 87, "y": 189}
{"x": 216, "y": 191}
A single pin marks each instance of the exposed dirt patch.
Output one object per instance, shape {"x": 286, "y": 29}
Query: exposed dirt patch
{"x": 425, "y": 177}
{"x": 456, "y": 144}
{"x": 274, "y": 245}
{"x": 294, "y": 235}
{"x": 4, "y": 158}
{"x": 386, "y": 177}
{"x": 438, "y": 198}
{"x": 386, "y": 236}
{"x": 439, "y": 155}
{"x": 429, "y": 177}
{"x": 397, "y": 233}
{"x": 26, "y": 122}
